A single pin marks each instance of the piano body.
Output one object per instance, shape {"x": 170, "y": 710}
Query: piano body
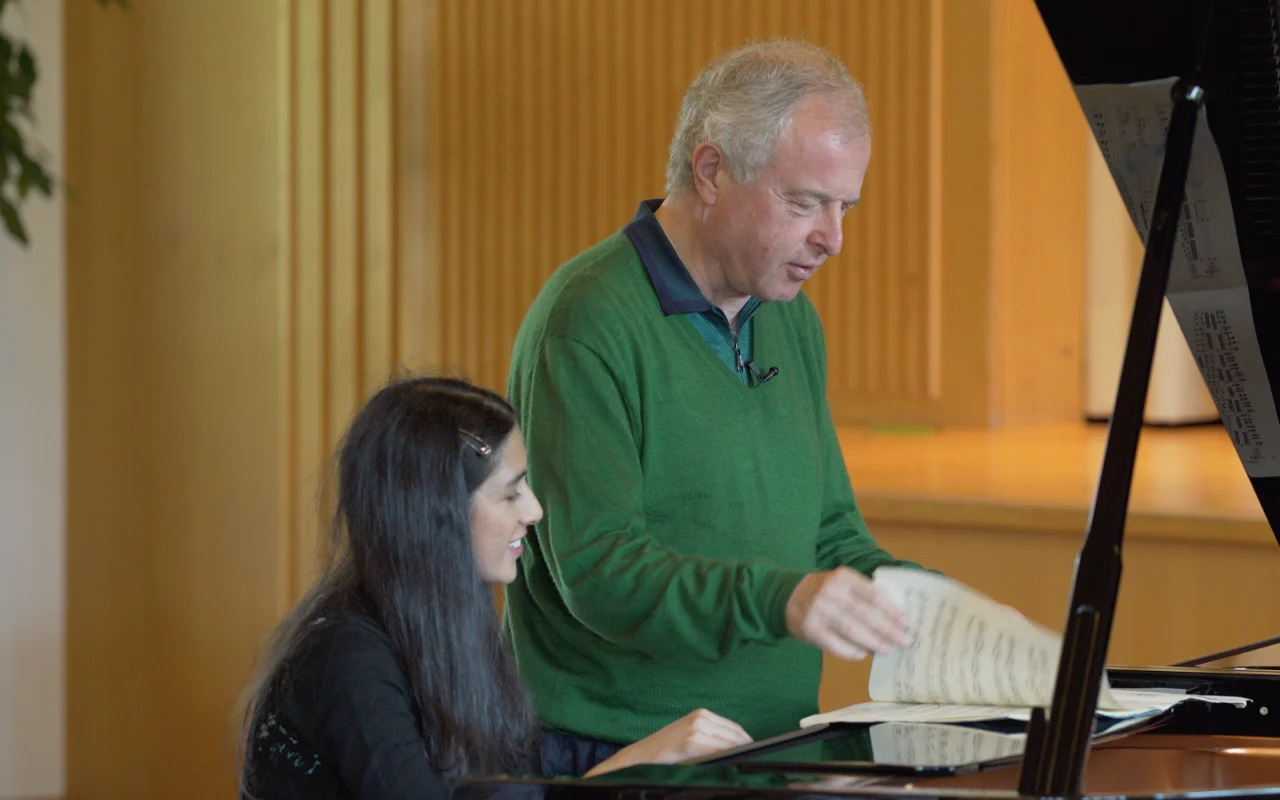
{"x": 1222, "y": 57}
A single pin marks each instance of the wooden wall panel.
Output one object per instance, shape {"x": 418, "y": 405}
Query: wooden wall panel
{"x": 554, "y": 121}
{"x": 358, "y": 281}
{"x": 174, "y": 236}
{"x": 242, "y": 272}
{"x": 1039, "y": 226}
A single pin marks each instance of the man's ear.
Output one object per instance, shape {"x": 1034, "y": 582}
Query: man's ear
{"x": 708, "y": 173}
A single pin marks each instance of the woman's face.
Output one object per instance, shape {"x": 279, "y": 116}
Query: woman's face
{"x": 501, "y": 511}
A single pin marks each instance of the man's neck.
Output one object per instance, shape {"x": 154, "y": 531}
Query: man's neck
{"x": 679, "y": 217}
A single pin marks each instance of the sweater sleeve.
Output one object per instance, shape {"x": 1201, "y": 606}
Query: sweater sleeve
{"x": 843, "y": 537}
{"x": 352, "y": 701}
{"x": 614, "y": 577}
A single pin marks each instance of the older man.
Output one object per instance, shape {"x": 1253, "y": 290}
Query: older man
{"x": 701, "y": 544}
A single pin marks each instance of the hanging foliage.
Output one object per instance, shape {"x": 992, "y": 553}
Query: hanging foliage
{"x": 22, "y": 165}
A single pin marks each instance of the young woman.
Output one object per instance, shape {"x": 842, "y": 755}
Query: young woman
{"x": 390, "y": 679}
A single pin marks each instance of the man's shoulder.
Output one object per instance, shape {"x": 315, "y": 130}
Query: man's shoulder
{"x": 587, "y": 295}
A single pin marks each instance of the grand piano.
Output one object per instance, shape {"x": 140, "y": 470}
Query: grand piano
{"x": 1184, "y": 100}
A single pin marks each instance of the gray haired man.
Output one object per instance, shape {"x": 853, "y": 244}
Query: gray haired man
{"x": 701, "y": 545}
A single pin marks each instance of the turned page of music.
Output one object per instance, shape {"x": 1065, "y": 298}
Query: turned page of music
{"x": 966, "y": 649}
{"x": 972, "y": 659}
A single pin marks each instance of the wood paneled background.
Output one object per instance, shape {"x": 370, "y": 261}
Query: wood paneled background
{"x": 278, "y": 203}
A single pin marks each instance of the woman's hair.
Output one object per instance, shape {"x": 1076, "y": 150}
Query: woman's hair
{"x": 401, "y": 554}
{"x": 743, "y": 101}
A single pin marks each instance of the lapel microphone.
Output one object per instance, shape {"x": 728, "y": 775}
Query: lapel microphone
{"x": 762, "y": 379}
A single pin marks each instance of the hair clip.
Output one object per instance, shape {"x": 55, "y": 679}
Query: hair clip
{"x": 475, "y": 442}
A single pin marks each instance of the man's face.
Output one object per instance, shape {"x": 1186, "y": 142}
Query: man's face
{"x": 770, "y": 236}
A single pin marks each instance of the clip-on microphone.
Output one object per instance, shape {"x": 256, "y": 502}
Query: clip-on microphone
{"x": 766, "y": 377}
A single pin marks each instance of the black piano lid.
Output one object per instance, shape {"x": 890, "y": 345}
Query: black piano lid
{"x": 1131, "y": 41}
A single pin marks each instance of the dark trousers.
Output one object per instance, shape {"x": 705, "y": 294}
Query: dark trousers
{"x": 562, "y": 755}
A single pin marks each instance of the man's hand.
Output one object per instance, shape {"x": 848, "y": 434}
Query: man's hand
{"x": 846, "y": 615}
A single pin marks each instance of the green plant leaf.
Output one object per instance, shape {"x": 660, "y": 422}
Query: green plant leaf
{"x": 27, "y": 68}
{"x": 23, "y": 82}
{"x": 18, "y": 77}
{"x": 9, "y": 136}
{"x": 33, "y": 174}
{"x": 13, "y": 222}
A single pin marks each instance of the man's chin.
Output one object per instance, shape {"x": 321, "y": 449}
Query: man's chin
{"x": 784, "y": 293}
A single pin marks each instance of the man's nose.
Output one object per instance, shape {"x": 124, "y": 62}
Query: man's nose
{"x": 830, "y": 232}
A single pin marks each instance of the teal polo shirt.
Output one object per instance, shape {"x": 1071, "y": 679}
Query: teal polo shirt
{"x": 679, "y": 295}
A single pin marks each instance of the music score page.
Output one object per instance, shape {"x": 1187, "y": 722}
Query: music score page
{"x": 1207, "y": 291}
{"x": 972, "y": 659}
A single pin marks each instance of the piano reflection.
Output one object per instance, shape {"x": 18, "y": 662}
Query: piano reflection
{"x": 1183, "y": 97}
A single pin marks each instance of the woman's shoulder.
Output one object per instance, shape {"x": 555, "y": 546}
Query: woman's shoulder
{"x": 344, "y": 646}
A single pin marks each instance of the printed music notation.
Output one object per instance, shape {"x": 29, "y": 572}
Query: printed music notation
{"x": 965, "y": 649}
{"x": 1207, "y": 290}
{"x": 1220, "y": 332}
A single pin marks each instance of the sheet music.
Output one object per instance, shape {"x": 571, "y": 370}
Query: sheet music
{"x": 974, "y": 660}
{"x": 1207, "y": 288}
{"x": 1219, "y": 328}
{"x": 966, "y": 649}
{"x": 1134, "y": 706}
{"x": 915, "y": 743}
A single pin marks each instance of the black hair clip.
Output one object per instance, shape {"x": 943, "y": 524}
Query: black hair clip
{"x": 475, "y": 443}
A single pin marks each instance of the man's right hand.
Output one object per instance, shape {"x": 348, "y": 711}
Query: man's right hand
{"x": 846, "y": 615}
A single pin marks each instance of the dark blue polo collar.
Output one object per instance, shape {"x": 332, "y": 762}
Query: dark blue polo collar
{"x": 677, "y": 293}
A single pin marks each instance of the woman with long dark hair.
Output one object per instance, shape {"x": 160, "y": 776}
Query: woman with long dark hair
{"x": 389, "y": 679}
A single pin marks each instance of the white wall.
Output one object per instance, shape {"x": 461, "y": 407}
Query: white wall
{"x": 32, "y": 439}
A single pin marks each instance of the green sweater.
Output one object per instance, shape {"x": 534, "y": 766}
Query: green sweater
{"x": 682, "y": 507}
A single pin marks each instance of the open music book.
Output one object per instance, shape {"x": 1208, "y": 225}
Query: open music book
{"x": 972, "y": 660}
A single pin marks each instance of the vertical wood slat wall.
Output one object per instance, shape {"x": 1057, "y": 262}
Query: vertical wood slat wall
{"x": 359, "y": 290}
{"x": 1040, "y": 227}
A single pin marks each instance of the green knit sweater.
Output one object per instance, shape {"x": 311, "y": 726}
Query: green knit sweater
{"x": 682, "y": 507}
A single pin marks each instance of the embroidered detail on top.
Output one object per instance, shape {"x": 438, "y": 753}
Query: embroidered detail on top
{"x": 273, "y": 739}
